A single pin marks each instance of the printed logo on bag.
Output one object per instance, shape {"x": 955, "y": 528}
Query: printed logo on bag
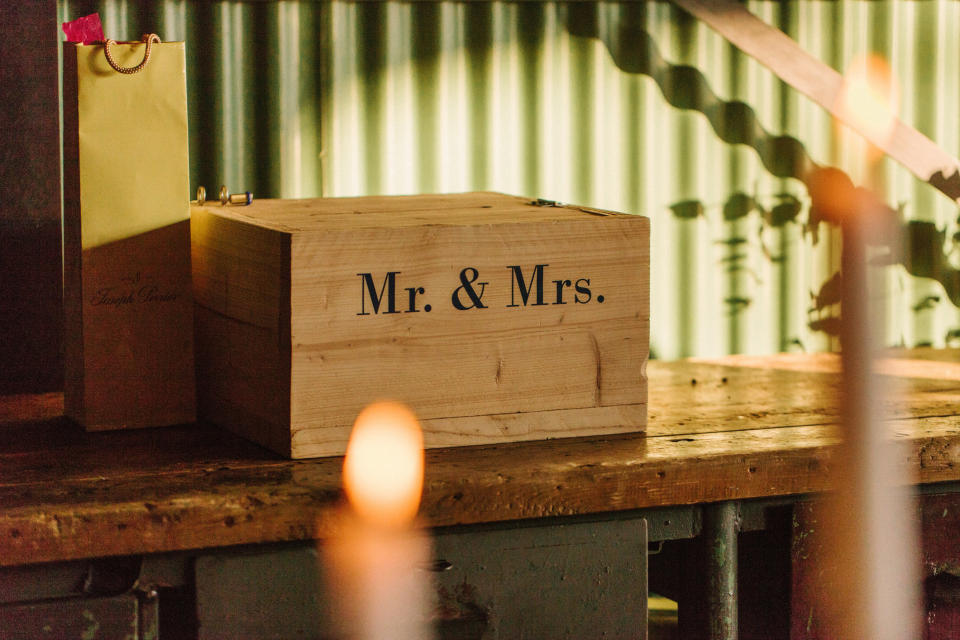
{"x": 528, "y": 288}
{"x": 136, "y": 289}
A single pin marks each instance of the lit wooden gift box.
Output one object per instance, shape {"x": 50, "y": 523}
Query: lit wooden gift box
{"x": 496, "y": 319}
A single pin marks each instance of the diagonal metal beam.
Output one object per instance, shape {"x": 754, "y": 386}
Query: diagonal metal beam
{"x": 791, "y": 63}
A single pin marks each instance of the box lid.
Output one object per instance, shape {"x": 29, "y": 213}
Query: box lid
{"x": 460, "y": 209}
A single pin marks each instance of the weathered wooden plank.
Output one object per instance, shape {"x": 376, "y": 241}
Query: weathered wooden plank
{"x": 196, "y": 504}
{"x": 750, "y": 398}
{"x": 67, "y": 494}
{"x": 57, "y": 450}
{"x": 736, "y": 392}
{"x": 933, "y": 364}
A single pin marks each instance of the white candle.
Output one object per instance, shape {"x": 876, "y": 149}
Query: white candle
{"x": 377, "y": 587}
{"x": 872, "y": 568}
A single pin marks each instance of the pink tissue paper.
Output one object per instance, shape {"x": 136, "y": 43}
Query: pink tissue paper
{"x": 85, "y": 30}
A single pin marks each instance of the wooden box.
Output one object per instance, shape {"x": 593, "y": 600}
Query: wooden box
{"x": 494, "y": 318}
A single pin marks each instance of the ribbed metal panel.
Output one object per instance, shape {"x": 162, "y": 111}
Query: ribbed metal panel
{"x": 626, "y": 106}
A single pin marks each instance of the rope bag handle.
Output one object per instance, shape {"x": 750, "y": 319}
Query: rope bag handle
{"x": 148, "y": 38}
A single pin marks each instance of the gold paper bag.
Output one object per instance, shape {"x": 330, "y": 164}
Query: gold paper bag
{"x": 127, "y": 291}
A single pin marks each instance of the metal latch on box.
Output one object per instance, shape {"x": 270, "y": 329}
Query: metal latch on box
{"x": 542, "y": 202}
{"x": 243, "y": 199}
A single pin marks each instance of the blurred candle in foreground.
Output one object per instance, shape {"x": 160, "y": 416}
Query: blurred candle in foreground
{"x": 869, "y": 101}
{"x": 872, "y": 577}
{"x": 376, "y": 586}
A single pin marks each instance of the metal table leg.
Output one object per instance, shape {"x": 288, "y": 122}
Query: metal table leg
{"x": 721, "y": 524}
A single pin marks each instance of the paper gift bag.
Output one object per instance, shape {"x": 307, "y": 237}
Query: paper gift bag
{"x": 127, "y": 292}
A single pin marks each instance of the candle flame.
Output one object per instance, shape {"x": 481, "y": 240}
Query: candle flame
{"x": 869, "y": 99}
{"x": 383, "y": 468}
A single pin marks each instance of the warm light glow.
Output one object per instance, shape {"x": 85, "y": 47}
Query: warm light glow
{"x": 869, "y": 99}
{"x": 383, "y": 468}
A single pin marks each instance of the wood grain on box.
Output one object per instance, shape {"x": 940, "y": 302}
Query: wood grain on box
{"x": 496, "y": 320}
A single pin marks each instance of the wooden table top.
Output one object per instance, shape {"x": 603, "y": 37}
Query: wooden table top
{"x": 732, "y": 428}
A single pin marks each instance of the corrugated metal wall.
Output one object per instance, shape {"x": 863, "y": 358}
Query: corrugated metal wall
{"x": 624, "y": 106}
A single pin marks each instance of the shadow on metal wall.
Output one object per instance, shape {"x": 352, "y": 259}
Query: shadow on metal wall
{"x": 919, "y": 245}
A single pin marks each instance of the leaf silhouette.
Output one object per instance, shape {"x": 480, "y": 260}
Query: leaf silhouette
{"x": 737, "y": 206}
{"x": 687, "y": 209}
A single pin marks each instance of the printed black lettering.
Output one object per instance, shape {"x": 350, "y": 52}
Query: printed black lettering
{"x": 585, "y": 290}
{"x": 560, "y": 285}
{"x": 412, "y": 296}
{"x": 388, "y": 290}
{"x": 467, "y": 277}
{"x": 526, "y": 288}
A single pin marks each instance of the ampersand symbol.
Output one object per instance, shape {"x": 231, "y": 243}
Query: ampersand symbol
{"x": 467, "y": 277}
